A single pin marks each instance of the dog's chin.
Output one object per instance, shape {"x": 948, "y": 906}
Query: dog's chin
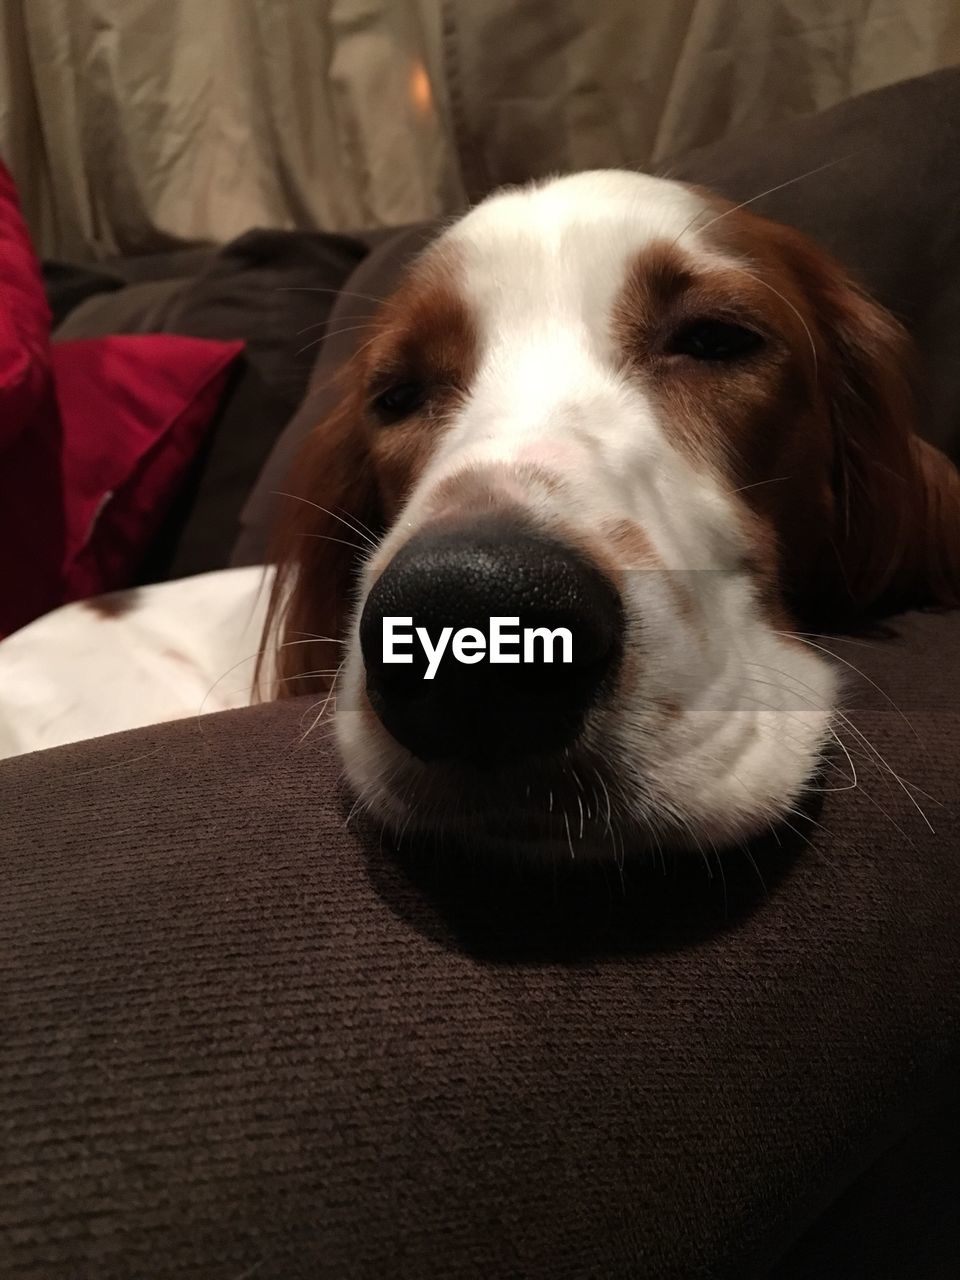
{"x": 507, "y": 832}
{"x": 536, "y": 809}
{"x": 595, "y": 799}
{"x": 513, "y": 831}
{"x": 498, "y": 814}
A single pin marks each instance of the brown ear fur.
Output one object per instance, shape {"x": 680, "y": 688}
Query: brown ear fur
{"x": 332, "y": 487}
{"x": 896, "y": 533}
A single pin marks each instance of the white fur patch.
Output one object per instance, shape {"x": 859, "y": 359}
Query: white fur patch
{"x": 156, "y": 653}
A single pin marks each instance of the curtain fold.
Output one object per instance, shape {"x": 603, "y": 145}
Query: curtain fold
{"x": 134, "y": 124}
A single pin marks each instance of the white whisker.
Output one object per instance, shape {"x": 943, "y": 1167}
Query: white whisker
{"x": 347, "y": 523}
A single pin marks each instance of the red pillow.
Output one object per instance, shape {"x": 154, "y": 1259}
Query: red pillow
{"x": 31, "y": 508}
{"x": 134, "y": 411}
{"x": 94, "y": 439}
{"x": 24, "y": 320}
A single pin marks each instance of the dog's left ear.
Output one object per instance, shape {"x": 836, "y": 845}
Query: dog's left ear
{"x": 896, "y": 531}
{"x": 332, "y": 507}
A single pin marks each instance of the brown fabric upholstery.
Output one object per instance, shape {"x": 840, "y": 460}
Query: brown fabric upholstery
{"x": 242, "y": 1040}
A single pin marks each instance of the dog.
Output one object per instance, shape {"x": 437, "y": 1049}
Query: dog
{"x": 618, "y": 406}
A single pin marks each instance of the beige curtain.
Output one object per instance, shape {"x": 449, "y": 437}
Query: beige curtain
{"x": 132, "y": 124}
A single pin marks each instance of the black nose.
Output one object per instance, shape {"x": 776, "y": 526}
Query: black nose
{"x": 486, "y": 711}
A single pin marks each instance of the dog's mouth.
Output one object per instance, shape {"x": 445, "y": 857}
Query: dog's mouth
{"x": 594, "y": 798}
{"x": 567, "y": 804}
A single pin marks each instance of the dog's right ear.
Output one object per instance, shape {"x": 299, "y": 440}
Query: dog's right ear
{"x": 329, "y": 511}
{"x": 894, "y": 534}
{"x": 897, "y": 498}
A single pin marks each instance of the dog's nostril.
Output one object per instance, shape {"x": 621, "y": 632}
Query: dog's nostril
{"x": 459, "y": 702}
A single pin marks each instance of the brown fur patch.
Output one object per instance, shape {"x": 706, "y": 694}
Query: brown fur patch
{"x": 486, "y": 487}
{"x": 115, "y": 605}
{"x": 631, "y": 545}
{"x": 426, "y": 334}
{"x": 669, "y": 710}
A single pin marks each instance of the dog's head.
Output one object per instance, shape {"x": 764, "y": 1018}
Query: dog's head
{"x": 619, "y": 407}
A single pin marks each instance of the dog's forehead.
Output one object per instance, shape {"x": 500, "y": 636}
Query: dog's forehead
{"x": 568, "y": 243}
{"x": 546, "y": 212}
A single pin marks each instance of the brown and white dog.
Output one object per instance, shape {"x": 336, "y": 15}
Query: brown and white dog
{"x": 620, "y": 403}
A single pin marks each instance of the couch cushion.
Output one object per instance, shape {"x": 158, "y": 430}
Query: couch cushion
{"x": 67, "y": 285}
{"x": 241, "y": 1037}
{"x": 272, "y": 289}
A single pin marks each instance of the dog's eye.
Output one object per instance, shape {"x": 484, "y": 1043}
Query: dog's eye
{"x": 400, "y": 400}
{"x": 714, "y": 340}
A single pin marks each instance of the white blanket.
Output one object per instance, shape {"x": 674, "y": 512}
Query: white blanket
{"x": 138, "y": 657}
